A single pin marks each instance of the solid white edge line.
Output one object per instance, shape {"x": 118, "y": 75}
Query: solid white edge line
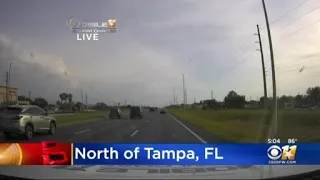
{"x": 80, "y": 132}
{"x": 193, "y": 133}
{"x": 134, "y": 133}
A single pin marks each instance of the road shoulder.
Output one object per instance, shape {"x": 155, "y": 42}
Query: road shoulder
{"x": 205, "y": 135}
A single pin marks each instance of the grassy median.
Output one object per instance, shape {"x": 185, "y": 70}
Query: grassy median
{"x": 81, "y": 116}
{"x": 250, "y": 126}
{"x": 84, "y": 116}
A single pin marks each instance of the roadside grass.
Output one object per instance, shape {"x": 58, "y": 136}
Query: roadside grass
{"x": 81, "y": 116}
{"x": 251, "y": 125}
{"x": 125, "y": 111}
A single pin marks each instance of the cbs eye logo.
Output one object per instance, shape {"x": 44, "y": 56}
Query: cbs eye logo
{"x": 284, "y": 153}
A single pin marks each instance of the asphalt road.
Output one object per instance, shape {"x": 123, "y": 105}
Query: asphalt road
{"x": 153, "y": 128}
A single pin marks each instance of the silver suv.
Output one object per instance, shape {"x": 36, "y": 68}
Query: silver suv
{"x": 25, "y": 120}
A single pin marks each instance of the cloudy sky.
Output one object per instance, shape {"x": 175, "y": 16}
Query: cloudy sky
{"x": 210, "y": 41}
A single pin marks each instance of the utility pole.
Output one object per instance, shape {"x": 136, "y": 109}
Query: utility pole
{"x": 211, "y": 95}
{"x": 174, "y": 97}
{"x": 263, "y": 68}
{"x": 7, "y": 81}
{"x": 86, "y": 101}
{"x": 183, "y": 90}
{"x": 81, "y": 100}
{"x": 186, "y": 97}
{"x": 177, "y": 102}
{"x": 29, "y": 95}
{"x": 275, "y": 104}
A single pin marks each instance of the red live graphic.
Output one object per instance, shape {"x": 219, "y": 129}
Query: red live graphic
{"x": 45, "y": 153}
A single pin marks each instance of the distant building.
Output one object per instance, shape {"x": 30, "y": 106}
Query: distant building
{"x": 288, "y": 105}
{"x": 10, "y": 93}
{"x": 198, "y": 106}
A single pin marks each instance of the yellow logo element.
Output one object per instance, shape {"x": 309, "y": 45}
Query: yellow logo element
{"x": 286, "y": 152}
{"x": 112, "y": 23}
{"x": 289, "y": 152}
{"x": 10, "y": 154}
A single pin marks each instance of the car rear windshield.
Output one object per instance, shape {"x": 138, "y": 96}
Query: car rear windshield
{"x": 10, "y": 110}
{"x": 135, "y": 109}
{"x": 114, "y": 110}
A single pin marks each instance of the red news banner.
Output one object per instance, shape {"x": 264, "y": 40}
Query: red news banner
{"x": 44, "y": 153}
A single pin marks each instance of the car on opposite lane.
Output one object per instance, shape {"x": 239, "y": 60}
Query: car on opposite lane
{"x": 26, "y": 120}
{"x": 136, "y": 112}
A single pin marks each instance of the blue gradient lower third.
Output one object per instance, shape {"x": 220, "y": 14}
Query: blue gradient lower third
{"x": 196, "y": 154}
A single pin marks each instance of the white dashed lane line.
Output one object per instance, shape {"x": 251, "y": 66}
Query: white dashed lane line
{"x": 134, "y": 133}
{"x": 80, "y": 132}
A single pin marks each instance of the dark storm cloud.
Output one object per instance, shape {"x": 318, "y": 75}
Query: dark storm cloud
{"x": 155, "y": 42}
{"x": 28, "y": 75}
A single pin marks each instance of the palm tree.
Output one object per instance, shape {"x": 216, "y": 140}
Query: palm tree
{"x": 70, "y": 97}
{"x": 65, "y": 97}
{"x": 61, "y": 97}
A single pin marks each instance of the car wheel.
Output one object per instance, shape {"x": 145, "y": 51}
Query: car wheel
{"x": 53, "y": 128}
{"x": 7, "y": 135}
{"x": 28, "y": 133}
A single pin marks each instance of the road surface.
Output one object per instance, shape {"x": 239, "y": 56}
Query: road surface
{"x": 153, "y": 128}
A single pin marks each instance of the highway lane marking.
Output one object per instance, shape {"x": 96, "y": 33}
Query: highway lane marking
{"x": 193, "y": 133}
{"x": 80, "y": 132}
{"x": 134, "y": 133}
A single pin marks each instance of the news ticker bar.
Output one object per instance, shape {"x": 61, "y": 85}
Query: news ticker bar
{"x": 55, "y": 153}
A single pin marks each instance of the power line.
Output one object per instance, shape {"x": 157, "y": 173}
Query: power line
{"x": 284, "y": 15}
{"x": 237, "y": 63}
{"x": 298, "y": 69}
{"x": 301, "y": 17}
{"x": 281, "y": 68}
{"x": 240, "y": 58}
{"x": 288, "y": 12}
{"x": 294, "y": 32}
